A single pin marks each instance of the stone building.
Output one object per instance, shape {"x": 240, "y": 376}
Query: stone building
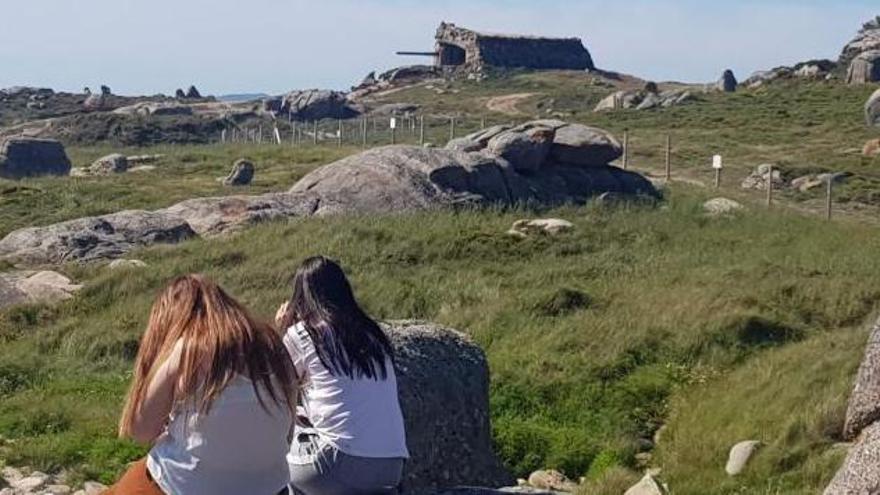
{"x": 460, "y": 47}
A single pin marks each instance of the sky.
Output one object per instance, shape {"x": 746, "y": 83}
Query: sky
{"x": 274, "y": 46}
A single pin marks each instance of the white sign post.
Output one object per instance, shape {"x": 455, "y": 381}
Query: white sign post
{"x": 717, "y": 165}
{"x": 392, "y": 124}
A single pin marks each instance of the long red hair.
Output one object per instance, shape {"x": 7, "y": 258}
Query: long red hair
{"x": 219, "y": 339}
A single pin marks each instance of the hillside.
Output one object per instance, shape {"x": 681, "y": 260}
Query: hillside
{"x": 715, "y": 329}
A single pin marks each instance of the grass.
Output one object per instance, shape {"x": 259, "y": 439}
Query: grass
{"x": 718, "y": 330}
{"x": 638, "y": 318}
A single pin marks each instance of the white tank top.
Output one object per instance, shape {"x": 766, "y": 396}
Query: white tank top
{"x": 236, "y": 448}
{"x": 358, "y": 416}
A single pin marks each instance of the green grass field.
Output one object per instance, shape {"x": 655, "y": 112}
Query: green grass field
{"x": 718, "y": 330}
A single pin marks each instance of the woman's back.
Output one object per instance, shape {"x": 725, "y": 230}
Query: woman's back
{"x": 358, "y": 415}
{"x": 236, "y": 447}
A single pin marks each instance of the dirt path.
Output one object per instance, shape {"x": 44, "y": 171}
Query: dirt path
{"x": 507, "y": 104}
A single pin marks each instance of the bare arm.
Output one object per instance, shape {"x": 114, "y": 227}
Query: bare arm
{"x": 149, "y": 421}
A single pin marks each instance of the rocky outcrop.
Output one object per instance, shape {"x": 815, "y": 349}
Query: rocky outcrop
{"x": 30, "y": 287}
{"x": 864, "y": 68}
{"x": 872, "y": 109}
{"x": 29, "y": 482}
{"x": 812, "y": 69}
{"x": 155, "y": 108}
{"x": 644, "y": 100}
{"x": 443, "y": 383}
{"x": 859, "y": 473}
{"x": 22, "y": 157}
{"x": 92, "y": 238}
{"x": 313, "y": 104}
{"x": 108, "y": 165}
{"x": 867, "y": 39}
{"x": 242, "y": 173}
{"x": 763, "y": 175}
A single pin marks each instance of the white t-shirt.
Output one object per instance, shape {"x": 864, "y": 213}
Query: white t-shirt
{"x": 359, "y": 416}
{"x": 236, "y": 448}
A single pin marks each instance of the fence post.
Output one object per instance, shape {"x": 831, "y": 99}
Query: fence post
{"x": 421, "y": 130}
{"x": 482, "y": 123}
{"x": 770, "y": 187}
{"x": 828, "y": 192}
{"x": 717, "y": 178}
{"x": 339, "y": 134}
{"x": 625, "y": 149}
{"x": 364, "y": 132}
{"x": 452, "y": 128}
{"x": 668, "y": 157}
{"x": 392, "y": 129}
{"x": 315, "y": 136}
{"x": 260, "y": 139}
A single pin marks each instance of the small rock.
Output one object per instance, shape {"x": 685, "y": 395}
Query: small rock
{"x": 647, "y": 486}
{"x": 728, "y": 82}
{"x": 241, "y": 175}
{"x": 551, "y": 480}
{"x": 35, "y": 481}
{"x": 93, "y": 488}
{"x": 10, "y": 474}
{"x": 872, "y": 148}
{"x": 740, "y": 455}
{"x": 552, "y": 226}
{"x": 142, "y": 168}
{"x": 57, "y": 490}
{"x": 721, "y": 206}
{"x": 761, "y": 176}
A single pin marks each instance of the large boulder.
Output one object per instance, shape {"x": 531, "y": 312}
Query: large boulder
{"x": 644, "y": 99}
{"x": 443, "y": 383}
{"x": 864, "y": 403}
{"x": 578, "y": 144}
{"x": 864, "y": 68}
{"x": 860, "y": 474}
{"x": 29, "y": 287}
{"x": 22, "y": 157}
{"x": 401, "y": 178}
{"x": 526, "y": 151}
{"x": 872, "y": 109}
{"x": 92, "y": 238}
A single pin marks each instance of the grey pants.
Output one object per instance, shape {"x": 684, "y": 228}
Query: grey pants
{"x": 332, "y": 472}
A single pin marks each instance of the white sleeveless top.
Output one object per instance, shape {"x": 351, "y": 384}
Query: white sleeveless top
{"x": 236, "y": 448}
{"x": 360, "y": 417}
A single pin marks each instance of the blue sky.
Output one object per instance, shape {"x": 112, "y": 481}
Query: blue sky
{"x": 225, "y": 46}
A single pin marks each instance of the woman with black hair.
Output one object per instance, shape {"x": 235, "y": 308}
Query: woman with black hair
{"x": 349, "y": 437}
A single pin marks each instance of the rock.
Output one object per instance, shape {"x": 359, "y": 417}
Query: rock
{"x": 368, "y": 80}
{"x": 126, "y": 264}
{"x": 740, "y": 455}
{"x": 11, "y": 474}
{"x": 578, "y": 144}
{"x": 810, "y": 71}
{"x": 483, "y": 136}
{"x": 192, "y": 92}
{"x": 93, "y": 238}
{"x": 241, "y": 175}
{"x": 761, "y": 176}
{"x": 647, "y": 486}
{"x": 728, "y": 82}
{"x": 552, "y": 226}
{"x": 142, "y": 168}
{"x": 551, "y": 480}
{"x": 110, "y": 164}
{"x": 864, "y": 68}
{"x": 643, "y": 100}
{"x": 313, "y": 104}
{"x": 56, "y": 489}
{"x": 759, "y": 78}
{"x": 864, "y": 403}
{"x": 93, "y": 488}
{"x": 33, "y": 482}
{"x": 443, "y": 383}
{"x": 859, "y": 473}
{"x": 213, "y": 216}
{"x": 872, "y": 148}
{"x": 153, "y": 108}
{"x": 22, "y": 157}
{"x": 872, "y": 109}
{"x": 526, "y": 151}
{"x": 464, "y": 145}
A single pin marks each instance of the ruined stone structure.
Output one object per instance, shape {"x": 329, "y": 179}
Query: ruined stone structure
{"x": 460, "y": 47}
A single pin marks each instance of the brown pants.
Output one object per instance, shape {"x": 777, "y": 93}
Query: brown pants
{"x": 135, "y": 481}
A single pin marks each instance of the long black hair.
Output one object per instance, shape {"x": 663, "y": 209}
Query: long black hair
{"x": 346, "y": 339}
